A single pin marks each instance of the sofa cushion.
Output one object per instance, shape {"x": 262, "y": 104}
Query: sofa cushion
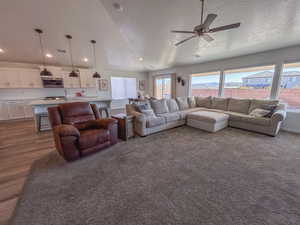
{"x": 239, "y": 105}
{"x": 260, "y": 103}
{"x": 170, "y": 117}
{"x": 154, "y": 121}
{"x": 240, "y": 117}
{"x": 148, "y": 112}
{"x": 183, "y": 113}
{"x": 172, "y": 105}
{"x": 91, "y": 138}
{"x": 192, "y": 102}
{"x": 182, "y": 103}
{"x": 203, "y": 102}
{"x": 207, "y": 116}
{"x": 159, "y": 106}
{"x": 219, "y": 103}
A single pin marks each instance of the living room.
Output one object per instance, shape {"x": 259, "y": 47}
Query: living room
{"x": 150, "y": 112}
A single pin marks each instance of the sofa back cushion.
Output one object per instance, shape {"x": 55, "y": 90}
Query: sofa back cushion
{"x": 192, "y": 102}
{"x": 261, "y": 103}
{"x": 239, "y": 105}
{"x": 219, "y": 103}
{"x": 182, "y": 103}
{"x": 172, "y": 105}
{"x": 159, "y": 106}
{"x": 203, "y": 102}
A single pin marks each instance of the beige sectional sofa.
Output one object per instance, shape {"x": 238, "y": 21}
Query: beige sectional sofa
{"x": 170, "y": 113}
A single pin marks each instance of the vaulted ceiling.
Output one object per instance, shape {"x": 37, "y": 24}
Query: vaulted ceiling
{"x": 142, "y": 29}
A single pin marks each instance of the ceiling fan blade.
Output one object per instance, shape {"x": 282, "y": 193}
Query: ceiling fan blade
{"x": 226, "y": 27}
{"x": 189, "y": 38}
{"x": 207, "y": 37}
{"x": 182, "y": 31}
{"x": 208, "y": 21}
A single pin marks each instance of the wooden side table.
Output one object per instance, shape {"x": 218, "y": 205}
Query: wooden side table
{"x": 125, "y": 126}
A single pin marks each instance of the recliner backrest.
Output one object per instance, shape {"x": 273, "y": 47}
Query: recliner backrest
{"x": 76, "y": 112}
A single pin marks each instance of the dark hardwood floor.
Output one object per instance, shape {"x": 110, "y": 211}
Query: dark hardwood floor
{"x": 20, "y": 146}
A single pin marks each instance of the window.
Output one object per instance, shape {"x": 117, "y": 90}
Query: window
{"x": 123, "y": 88}
{"x": 290, "y": 85}
{"x": 163, "y": 87}
{"x": 205, "y": 84}
{"x": 254, "y": 82}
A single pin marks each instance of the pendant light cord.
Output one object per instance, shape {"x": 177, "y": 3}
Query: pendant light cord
{"x": 202, "y": 11}
{"x": 42, "y": 50}
{"x": 71, "y": 53}
{"x": 95, "y": 59}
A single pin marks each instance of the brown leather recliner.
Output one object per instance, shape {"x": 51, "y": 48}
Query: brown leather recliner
{"x": 79, "y": 131}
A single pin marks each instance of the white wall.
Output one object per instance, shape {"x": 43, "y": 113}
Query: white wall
{"x": 278, "y": 56}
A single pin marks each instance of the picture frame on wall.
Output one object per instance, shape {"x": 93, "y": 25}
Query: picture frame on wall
{"x": 142, "y": 85}
{"x": 103, "y": 85}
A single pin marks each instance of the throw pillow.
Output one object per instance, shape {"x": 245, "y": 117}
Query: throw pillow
{"x": 172, "y": 105}
{"x": 203, "y": 102}
{"x": 259, "y": 112}
{"x": 192, "y": 102}
{"x": 182, "y": 103}
{"x": 271, "y": 108}
{"x": 148, "y": 113}
{"x": 159, "y": 106}
{"x": 257, "y": 103}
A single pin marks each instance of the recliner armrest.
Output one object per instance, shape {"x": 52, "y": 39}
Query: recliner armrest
{"x": 103, "y": 123}
{"x": 66, "y": 130}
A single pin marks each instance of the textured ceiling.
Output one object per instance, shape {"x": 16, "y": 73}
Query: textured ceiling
{"x": 142, "y": 29}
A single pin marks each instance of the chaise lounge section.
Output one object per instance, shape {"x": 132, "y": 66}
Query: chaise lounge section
{"x": 242, "y": 113}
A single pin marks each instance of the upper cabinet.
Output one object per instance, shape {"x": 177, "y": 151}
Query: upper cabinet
{"x": 10, "y": 78}
{"x": 70, "y": 82}
{"x": 87, "y": 80}
{"x": 30, "y": 79}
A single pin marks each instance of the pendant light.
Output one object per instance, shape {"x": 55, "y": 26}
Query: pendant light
{"x": 73, "y": 73}
{"x": 96, "y": 74}
{"x": 44, "y": 72}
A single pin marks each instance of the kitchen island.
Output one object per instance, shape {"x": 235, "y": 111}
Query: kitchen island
{"x": 40, "y": 108}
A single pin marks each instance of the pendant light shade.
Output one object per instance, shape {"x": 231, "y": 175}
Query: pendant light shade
{"x": 73, "y": 73}
{"x": 96, "y": 74}
{"x": 44, "y": 72}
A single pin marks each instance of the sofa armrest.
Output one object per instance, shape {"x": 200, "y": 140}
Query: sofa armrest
{"x": 279, "y": 115}
{"x": 66, "y": 130}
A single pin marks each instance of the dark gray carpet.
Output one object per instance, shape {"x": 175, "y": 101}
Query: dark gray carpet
{"x": 179, "y": 177}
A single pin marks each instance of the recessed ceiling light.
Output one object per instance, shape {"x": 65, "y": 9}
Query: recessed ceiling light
{"x": 141, "y": 58}
{"x": 118, "y": 7}
{"x": 48, "y": 55}
{"x": 85, "y": 59}
{"x": 1, "y": 50}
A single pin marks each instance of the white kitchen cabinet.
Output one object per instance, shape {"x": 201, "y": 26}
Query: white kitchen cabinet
{"x": 16, "y": 109}
{"x": 31, "y": 79}
{"x": 71, "y": 82}
{"x": 28, "y": 110}
{"x": 87, "y": 80}
{"x": 3, "y": 111}
{"x": 10, "y": 78}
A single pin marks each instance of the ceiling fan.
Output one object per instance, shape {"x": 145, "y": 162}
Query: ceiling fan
{"x": 203, "y": 29}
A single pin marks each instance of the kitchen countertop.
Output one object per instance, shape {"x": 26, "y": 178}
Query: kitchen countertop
{"x": 74, "y": 99}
